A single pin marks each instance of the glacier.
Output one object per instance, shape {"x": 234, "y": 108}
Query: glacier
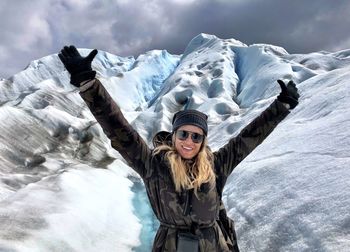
{"x": 63, "y": 188}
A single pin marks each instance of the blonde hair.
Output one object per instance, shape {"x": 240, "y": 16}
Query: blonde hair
{"x": 188, "y": 174}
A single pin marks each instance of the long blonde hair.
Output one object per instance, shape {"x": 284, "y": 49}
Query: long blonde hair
{"x": 188, "y": 174}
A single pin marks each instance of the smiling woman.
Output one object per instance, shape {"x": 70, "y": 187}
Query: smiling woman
{"x": 184, "y": 179}
{"x": 188, "y": 142}
{"x": 189, "y": 158}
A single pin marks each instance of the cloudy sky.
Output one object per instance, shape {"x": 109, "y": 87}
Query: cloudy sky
{"x": 31, "y": 29}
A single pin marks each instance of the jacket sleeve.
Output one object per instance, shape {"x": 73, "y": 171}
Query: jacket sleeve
{"x": 230, "y": 155}
{"x": 123, "y": 137}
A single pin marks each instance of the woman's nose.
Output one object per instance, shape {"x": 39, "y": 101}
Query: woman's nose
{"x": 188, "y": 139}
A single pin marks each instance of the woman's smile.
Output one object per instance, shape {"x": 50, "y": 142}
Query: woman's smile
{"x": 187, "y": 148}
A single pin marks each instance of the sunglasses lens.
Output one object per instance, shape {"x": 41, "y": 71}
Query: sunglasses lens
{"x": 197, "y": 138}
{"x": 181, "y": 134}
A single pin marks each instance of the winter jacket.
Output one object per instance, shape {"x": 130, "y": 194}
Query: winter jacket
{"x": 180, "y": 211}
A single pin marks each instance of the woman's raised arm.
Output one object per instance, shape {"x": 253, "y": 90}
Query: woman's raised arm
{"x": 123, "y": 137}
{"x": 230, "y": 155}
{"x": 107, "y": 113}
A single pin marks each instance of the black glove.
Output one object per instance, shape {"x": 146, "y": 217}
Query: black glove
{"x": 289, "y": 93}
{"x": 79, "y": 67}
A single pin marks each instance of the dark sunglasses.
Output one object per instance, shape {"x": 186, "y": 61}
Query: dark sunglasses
{"x": 183, "y": 135}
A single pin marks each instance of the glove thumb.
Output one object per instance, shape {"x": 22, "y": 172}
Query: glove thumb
{"x": 91, "y": 55}
{"x": 283, "y": 86}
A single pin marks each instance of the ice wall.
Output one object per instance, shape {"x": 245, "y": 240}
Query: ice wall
{"x": 62, "y": 187}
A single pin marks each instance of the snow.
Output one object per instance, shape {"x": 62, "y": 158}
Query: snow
{"x": 66, "y": 216}
{"x": 300, "y": 200}
{"x": 63, "y": 188}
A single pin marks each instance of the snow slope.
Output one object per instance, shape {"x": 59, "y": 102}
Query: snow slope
{"x": 62, "y": 187}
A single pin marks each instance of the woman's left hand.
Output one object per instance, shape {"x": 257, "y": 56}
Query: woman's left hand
{"x": 289, "y": 93}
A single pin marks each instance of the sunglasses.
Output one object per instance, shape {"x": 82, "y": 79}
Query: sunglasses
{"x": 183, "y": 135}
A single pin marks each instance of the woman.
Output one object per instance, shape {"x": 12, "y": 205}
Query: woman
{"x": 183, "y": 178}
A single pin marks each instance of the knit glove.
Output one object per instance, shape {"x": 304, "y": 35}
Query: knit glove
{"x": 79, "y": 67}
{"x": 289, "y": 93}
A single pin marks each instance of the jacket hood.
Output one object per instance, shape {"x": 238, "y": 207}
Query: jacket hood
{"x": 162, "y": 137}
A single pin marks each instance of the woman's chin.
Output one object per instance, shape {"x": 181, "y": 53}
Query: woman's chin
{"x": 186, "y": 155}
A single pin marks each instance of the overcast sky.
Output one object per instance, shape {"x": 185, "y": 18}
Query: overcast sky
{"x": 31, "y": 29}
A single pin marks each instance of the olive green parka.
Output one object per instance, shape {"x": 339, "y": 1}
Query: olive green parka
{"x": 205, "y": 215}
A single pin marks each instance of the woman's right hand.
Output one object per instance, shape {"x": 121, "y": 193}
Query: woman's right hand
{"x": 79, "y": 67}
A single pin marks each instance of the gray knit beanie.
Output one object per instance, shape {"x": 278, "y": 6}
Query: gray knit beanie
{"x": 190, "y": 117}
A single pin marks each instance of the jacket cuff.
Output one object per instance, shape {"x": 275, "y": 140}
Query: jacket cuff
{"x": 286, "y": 105}
{"x": 85, "y": 85}
{"x": 282, "y": 108}
{"x": 78, "y": 78}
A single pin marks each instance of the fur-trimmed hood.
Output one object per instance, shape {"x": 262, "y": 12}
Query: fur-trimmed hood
{"x": 162, "y": 137}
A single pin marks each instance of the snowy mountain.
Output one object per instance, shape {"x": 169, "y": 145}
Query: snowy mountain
{"x": 63, "y": 188}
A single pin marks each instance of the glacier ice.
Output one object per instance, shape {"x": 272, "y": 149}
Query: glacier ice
{"x": 63, "y": 188}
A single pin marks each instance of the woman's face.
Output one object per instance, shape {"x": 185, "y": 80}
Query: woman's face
{"x": 186, "y": 147}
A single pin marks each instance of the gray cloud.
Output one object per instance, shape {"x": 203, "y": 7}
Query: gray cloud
{"x": 33, "y": 29}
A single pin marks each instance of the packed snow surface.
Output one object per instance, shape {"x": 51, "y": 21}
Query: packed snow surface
{"x": 63, "y": 188}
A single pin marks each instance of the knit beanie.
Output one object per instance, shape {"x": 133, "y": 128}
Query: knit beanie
{"x": 190, "y": 117}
